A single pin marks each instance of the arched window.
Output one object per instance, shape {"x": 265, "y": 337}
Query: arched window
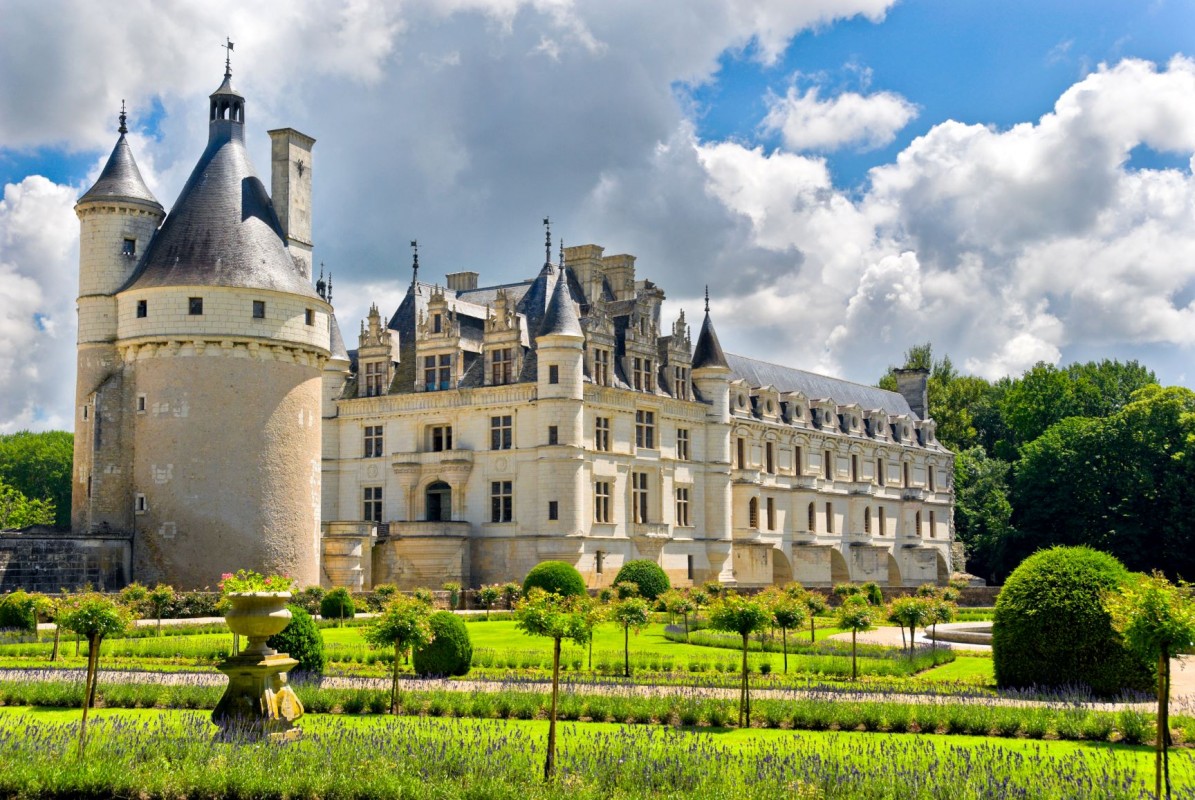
{"x": 917, "y": 530}
{"x": 753, "y": 513}
{"x": 867, "y": 520}
{"x": 439, "y": 502}
{"x": 812, "y": 521}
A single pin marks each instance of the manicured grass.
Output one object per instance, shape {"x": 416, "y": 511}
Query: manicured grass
{"x": 967, "y": 669}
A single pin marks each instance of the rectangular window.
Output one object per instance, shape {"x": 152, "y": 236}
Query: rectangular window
{"x": 740, "y": 453}
{"x": 642, "y": 372}
{"x": 639, "y": 496}
{"x": 195, "y": 306}
{"x": 854, "y": 467}
{"x": 799, "y": 460}
{"x": 437, "y": 323}
{"x": 601, "y": 434}
{"x": 553, "y": 374}
{"x": 682, "y": 506}
{"x": 373, "y": 504}
{"x": 829, "y": 517}
{"x": 908, "y": 477}
{"x": 309, "y": 317}
{"x": 601, "y": 502}
{"x": 770, "y": 457}
{"x": 933, "y": 530}
{"x": 375, "y": 378}
{"x": 142, "y": 309}
{"x": 440, "y": 438}
{"x": 881, "y": 470}
{"x": 259, "y": 309}
{"x": 139, "y": 506}
{"x": 682, "y": 444}
{"x": 129, "y": 248}
{"x": 601, "y": 367}
{"x": 770, "y": 505}
{"x": 373, "y": 441}
{"x": 680, "y": 380}
{"x": 689, "y": 565}
{"x": 929, "y": 474}
{"x": 501, "y": 431}
{"x": 553, "y": 510}
{"x": 446, "y": 371}
{"x": 645, "y": 429}
{"x": 883, "y": 522}
{"x": 501, "y": 505}
{"x": 828, "y": 465}
{"x": 553, "y": 434}
{"x": 500, "y": 366}
{"x": 140, "y": 404}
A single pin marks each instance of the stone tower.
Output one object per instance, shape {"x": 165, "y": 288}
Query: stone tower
{"x": 222, "y": 341}
{"x": 711, "y": 376}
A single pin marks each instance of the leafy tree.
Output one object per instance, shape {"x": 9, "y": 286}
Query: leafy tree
{"x": 19, "y": 610}
{"x": 489, "y": 596}
{"x": 133, "y": 596}
{"x": 556, "y": 617}
{"x": 338, "y": 605}
{"x": 38, "y": 466}
{"x": 787, "y": 612}
{"x": 424, "y": 596}
{"x": 309, "y": 597}
{"x": 855, "y": 614}
{"x": 454, "y": 594}
{"x": 982, "y": 511}
{"x": 379, "y": 598}
{"x": 677, "y": 602}
{"x": 159, "y": 598}
{"x": 743, "y": 616}
{"x": 911, "y": 613}
{"x": 403, "y": 624}
{"x": 18, "y": 511}
{"x": 93, "y": 616}
{"x": 632, "y": 613}
{"x": 510, "y": 593}
{"x": 941, "y": 610}
{"x": 816, "y": 605}
{"x": 592, "y": 614}
{"x": 626, "y": 589}
{"x": 1157, "y": 620}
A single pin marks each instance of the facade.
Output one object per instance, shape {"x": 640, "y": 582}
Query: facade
{"x": 476, "y": 431}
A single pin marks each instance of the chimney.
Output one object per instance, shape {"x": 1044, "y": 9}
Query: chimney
{"x": 290, "y": 185}
{"x": 462, "y": 281}
{"x": 913, "y": 385}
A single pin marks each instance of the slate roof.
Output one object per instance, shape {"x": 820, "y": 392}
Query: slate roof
{"x": 708, "y": 351}
{"x": 816, "y": 387}
{"x": 120, "y": 179}
{"x": 336, "y": 342}
{"x": 561, "y": 319}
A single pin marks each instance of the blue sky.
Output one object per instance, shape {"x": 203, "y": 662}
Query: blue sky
{"x": 1010, "y": 181}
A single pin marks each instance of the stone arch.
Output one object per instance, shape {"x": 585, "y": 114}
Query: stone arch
{"x": 839, "y": 571}
{"x": 782, "y": 568}
{"x": 437, "y": 502}
{"x": 943, "y": 569}
{"x": 894, "y": 576}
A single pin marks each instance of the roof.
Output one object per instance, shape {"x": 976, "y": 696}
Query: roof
{"x": 222, "y": 230}
{"x": 708, "y": 351}
{"x": 560, "y": 318}
{"x": 786, "y": 379}
{"x": 120, "y": 179}
{"x": 336, "y": 341}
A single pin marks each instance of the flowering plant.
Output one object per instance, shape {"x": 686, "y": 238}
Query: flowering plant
{"x": 246, "y": 580}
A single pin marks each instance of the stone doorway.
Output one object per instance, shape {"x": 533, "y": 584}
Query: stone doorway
{"x": 439, "y": 502}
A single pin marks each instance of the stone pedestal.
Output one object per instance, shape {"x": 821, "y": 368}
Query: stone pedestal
{"x": 257, "y": 702}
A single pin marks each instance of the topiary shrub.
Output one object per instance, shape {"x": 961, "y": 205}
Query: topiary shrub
{"x": 647, "y": 575}
{"x": 450, "y": 652}
{"x": 18, "y": 610}
{"x": 309, "y": 599}
{"x": 555, "y": 576}
{"x": 1051, "y": 628}
{"x": 337, "y": 604}
{"x": 302, "y": 641}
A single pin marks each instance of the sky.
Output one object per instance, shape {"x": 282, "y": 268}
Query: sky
{"x": 1011, "y": 182}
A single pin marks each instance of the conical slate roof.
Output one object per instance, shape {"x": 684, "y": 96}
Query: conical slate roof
{"x": 560, "y": 318}
{"x": 708, "y": 352}
{"x": 121, "y": 180}
{"x": 336, "y": 342}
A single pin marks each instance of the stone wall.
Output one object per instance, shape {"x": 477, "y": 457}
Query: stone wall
{"x": 44, "y": 560}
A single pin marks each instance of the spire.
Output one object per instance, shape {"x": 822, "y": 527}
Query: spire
{"x": 708, "y": 352}
{"x": 329, "y": 298}
{"x": 560, "y": 318}
{"x": 123, "y": 129}
{"x": 120, "y": 178}
{"x": 228, "y": 46}
{"x": 414, "y": 262}
{"x": 547, "y": 244}
{"x": 321, "y": 286}
{"x": 226, "y": 115}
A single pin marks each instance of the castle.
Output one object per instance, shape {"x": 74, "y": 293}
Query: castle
{"x": 222, "y": 422}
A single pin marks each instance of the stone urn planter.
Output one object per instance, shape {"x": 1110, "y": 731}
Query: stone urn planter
{"x": 257, "y": 702}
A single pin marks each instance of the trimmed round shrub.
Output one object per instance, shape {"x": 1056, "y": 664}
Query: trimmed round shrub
{"x": 18, "y": 610}
{"x": 450, "y": 653}
{"x": 301, "y": 640}
{"x": 337, "y": 604}
{"x": 555, "y": 576}
{"x": 647, "y": 575}
{"x": 1051, "y": 628}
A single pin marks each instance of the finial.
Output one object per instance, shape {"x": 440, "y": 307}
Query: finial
{"x": 228, "y": 48}
{"x": 329, "y": 286}
{"x": 707, "y": 298}
{"x": 414, "y": 262}
{"x": 123, "y": 128}
{"x": 321, "y": 288}
{"x": 562, "y": 254}
{"x": 547, "y": 242}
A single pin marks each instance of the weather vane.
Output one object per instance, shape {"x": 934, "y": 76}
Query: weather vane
{"x": 228, "y": 46}
{"x": 415, "y": 262}
{"x": 547, "y": 241}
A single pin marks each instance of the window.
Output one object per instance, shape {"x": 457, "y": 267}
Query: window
{"x": 553, "y": 434}
{"x": 139, "y": 506}
{"x": 501, "y": 431}
{"x": 601, "y": 434}
{"x": 553, "y": 509}
{"x": 129, "y": 248}
{"x": 142, "y": 309}
{"x": 553, "y": 374}
{"x": 689, "y": 566}
{"x": 753, "y": 512}
{"x": 828, "y": 465}
{"x": 639, "y": 496}
{"x": 309, "y": 317}
{"x": 770, "y": 458}
{"x": 373, "y": 504}
{"x": 500, "y": 366}
{"x": 770, "y": 506}
{"x": 680, "y": 380}
{"x": 84, "y": 413}
{"x": 867, "y": 520}
{"x": 881, "y": 469}
{"x": 501, "y": 507}
{"x": 195, "y": 306}
{"x": 854, "y": 467}
{"x": 645, "y": 429}
{"x": 259, "y": 309}
{"x": 917, "y": 524}
{"x": 740, "y": 453}
{"x": 437, "y": 323}
{"x": 929, "y": 473}
{"x": 140, "y": 404}
{"x": 440, "y": 438}
{"x": 642, "y": 374}
{"x": 908, "y": 480}
{"x": 375, "y": 378}
{"x": 882, "y": 522}
{"x": 682, "y": 444}
{"x": 601, "y": 503}
{"x": 829, "y": 517}
{"x": 601, "y": 367}
{"x": 799, "y": 460}
{"x": 373, "y": 441}
{"x": 811, "y": 522}
{"x": 437, "y": 372}
{"x": 933, "y": 531}
{"x": 682, "y": 506}
{"x": 597, "y": 562}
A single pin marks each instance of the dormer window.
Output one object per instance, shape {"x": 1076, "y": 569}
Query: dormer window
{"x": 437, "y": 323}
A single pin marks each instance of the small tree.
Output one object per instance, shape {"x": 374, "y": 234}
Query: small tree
{"x": 547, "y": 614}
{"x": 631, "y": 613}
{"x": 488, "y": 596}
{"x": 133, "y": 597}
{"x": 700, "y": 599}
{"x": 816, "y": 604}
{"x": 338, "y": 605}
{"x": 510, "y": 593}
{"x": 940, "y": 610}
{"x": 379, "y": 598}
{"x": 310, "y": 597}
{"x": 845, "y": 590}
{"x": 1157, "y": 620}
{"x": 713, "y": 589}
{"x": 47, "y": 609}
{"x": 743, "y": 616}
{"x": 93, "y": 616}
{"x": 160, "y": 597}
{"x": 787, "y": 612}
{"x": 425, "y": 596}
{"x": 874, "y": 594}
{"x": 626, "y": 589}
{"x": 454, "y": 594}
{"x": 594, "y": 614}
{"x": 403, "y": 625}
{"x": 678, "y": 603}
{"x": 855, "y": 614}
{"x": 911, "y": 613}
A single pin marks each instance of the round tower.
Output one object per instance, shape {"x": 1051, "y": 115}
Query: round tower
{"x": 224, "y": 340}
{"x": 118, "y": 218}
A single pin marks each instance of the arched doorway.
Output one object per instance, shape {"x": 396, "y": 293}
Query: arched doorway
{"x": 782, "y": 570}
{"x": 839, "y": 572}
{"x": 894, "y": 576}
{"x": 439, "y": 502}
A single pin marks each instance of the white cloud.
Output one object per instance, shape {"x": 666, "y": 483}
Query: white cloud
{"x": 806, "y": 122}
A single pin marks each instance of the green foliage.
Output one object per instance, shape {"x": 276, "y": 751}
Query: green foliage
{"x": 94, "y": 615}
{"x": 309, "y": 598}
{"x": 488, "y": 597}
{"x": 982, "y": 511}
{"x": 625, "y": 589}
{"x": 511, "y": 592}
{"x": 454, "y": 593}
{"x": 855, "y": 614}
{"x": 38, "y": 466}
{"x": 555, "y": 616}
{"x": 379, "y": 598}
{"x": 18, "y": 610}
{"x": 647, "y": 575}
{"x": 555, "y": 576}
{"x": 874, "y": 594}
{"x": 737, "y": 614}
{"x": 1051, "y": 628}
{"x": 247, "y": 580}
{"x": 1154, "y": 616}
{"x": 302, "y": 641}
{"x": 19, "y": 511}
{"x": 450, "y": 652}
{"x": 845, "y": 590}
{"x": 337, "y": 604}
{"x": 133, "y": 596}
{"x": 402, "y": 624}
{"x": 424, "y": 596}
{"x": 632, "y": 613}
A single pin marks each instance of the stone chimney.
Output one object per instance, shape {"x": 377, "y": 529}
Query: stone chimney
{"x": 913, "y": 385}
{"x": 290, "y": 186}
{"x": 462, "y": 281}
